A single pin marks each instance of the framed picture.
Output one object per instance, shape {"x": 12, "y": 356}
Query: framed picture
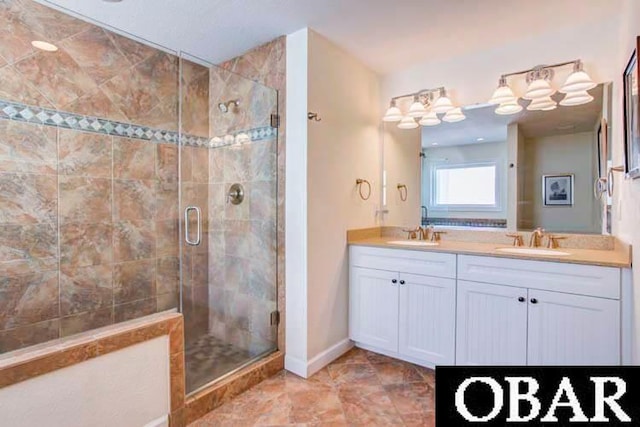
{"x": 557, "y": 190}
{"x": 631, "y": 118}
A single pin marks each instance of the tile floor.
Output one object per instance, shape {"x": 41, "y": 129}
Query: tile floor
{"x": 359, "y": 389}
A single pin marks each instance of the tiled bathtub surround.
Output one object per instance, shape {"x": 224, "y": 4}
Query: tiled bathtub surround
{"x": 89, "y": 231}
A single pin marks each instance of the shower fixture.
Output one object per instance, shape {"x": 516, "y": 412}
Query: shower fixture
{"x": 227, "y": 106}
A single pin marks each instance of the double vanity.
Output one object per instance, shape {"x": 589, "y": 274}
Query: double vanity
{"x": 466, "y": 302}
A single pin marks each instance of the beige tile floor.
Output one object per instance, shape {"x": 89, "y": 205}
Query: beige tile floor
{"x": 359, "y": 389}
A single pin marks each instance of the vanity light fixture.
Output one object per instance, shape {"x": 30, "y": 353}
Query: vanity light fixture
{"x": 426, "y": 106}
{"x": 540, "y": 89}
{"x": 408, "y": 123}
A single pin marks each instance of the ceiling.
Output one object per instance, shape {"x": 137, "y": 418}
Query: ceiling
{"x": 483, "y": 122}
{"x": 386, "y": 35}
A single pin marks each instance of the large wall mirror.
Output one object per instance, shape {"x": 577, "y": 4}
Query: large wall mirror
{"x": 522, "y": 171}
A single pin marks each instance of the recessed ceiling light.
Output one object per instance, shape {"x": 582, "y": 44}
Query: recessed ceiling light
{"x": 47, "y": 47}
{"x": 112, "y": 1}
{"x": 434, "y": 143}
{"x": 480, "y": 139}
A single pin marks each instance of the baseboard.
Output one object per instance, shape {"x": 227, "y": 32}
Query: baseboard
{"x": 328, "y": 356}
{"x": 297, "y": 366}
{"x": 163, "y": 421}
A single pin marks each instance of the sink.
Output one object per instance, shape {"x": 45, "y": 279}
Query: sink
{"x": 412, "y": 243}
{"x": 533, "y": 251}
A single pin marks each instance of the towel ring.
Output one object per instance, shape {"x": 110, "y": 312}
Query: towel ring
{"x": 359, "y": 183}
{"x": 403, "y": 194}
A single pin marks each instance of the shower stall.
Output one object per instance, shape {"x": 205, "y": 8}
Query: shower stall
{"x": 228, "y": 195}
{"x": 134, "y": 180}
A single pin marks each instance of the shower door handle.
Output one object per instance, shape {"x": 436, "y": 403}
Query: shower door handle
{"x": 186, "y": 226}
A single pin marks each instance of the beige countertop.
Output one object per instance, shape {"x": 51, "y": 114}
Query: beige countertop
{"x": 619, "y": 256}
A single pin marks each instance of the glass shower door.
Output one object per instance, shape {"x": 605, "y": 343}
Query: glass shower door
{"x": 228, "y": 182}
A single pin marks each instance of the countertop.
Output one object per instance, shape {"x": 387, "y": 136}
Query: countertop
{"x": 619, "y": 257}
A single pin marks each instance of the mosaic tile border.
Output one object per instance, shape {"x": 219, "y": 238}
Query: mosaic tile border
{"x": 466, "y": 222}
{"x": 49, "y": 117}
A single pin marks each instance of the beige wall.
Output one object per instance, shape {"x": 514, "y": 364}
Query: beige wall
{"x": 561, "y": 154}
{"x": 403, "y": 165}
{"x": 342, "y": 147}
{"x": 463, "y": 154}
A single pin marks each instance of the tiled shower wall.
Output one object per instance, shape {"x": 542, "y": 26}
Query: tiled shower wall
{"x": 88, "y": 205}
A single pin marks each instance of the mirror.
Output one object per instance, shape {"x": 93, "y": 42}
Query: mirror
{"x": 522, "y": 171}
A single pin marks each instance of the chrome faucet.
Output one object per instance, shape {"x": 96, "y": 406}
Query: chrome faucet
{"x": 536, "y": 238}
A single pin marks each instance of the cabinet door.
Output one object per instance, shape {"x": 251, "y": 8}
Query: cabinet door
{"x": 567, "y": 329}
{"x": 491, "y": 324}
{"x": 374, "y": 308}
{"x": 427, "y": 318}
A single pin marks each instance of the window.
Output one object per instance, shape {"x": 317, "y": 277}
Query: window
{"x": 465, "y": 187}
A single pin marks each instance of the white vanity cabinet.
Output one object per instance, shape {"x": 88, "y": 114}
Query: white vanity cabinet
{"x": 436, "y": 308}
{"x": 402, "y": 303}
{"x": 539, "y": 313}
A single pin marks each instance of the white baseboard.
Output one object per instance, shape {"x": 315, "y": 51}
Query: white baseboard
{"x": 163, "y": 421}
{"x": 297, "y": 366}
{"x": 328, "y": 356}
{"x": 306, "y": 369}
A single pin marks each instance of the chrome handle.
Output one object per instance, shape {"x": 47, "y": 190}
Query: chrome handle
{"x": 186, "y": 226}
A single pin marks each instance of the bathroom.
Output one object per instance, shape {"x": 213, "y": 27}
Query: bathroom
{"x": 187, "y": 198}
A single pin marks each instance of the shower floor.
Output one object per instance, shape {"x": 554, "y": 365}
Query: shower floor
{"x": 208, "y": 358}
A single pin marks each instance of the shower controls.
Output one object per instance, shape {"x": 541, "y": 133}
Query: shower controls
{"x": 187, "y": 233}
{"x": 235, "y": 196}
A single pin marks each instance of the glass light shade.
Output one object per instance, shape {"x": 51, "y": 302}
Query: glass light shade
{"x": 509, "y": 108}
{"x": 576, "y": 98}
{"x": 442, "y": 105}
{"x": 454, "y": 115}
{"x": 393, "y": 114}
{"x": 577, "y": 81}
{"x": 541, "y": 104}
{"x": 502, "y": 95}
{"x": 417, "y": 110}
{"x": 539, "y": 88}
{"x": 408, "y": 123}
{"x": 430, "y": 119}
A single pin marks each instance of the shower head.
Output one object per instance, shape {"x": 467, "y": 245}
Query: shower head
{"x": 227, "y": 106}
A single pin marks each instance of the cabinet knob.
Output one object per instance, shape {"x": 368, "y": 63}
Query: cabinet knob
{"x": 521, "y": 299}
{"x": 402, "y": 282}
{"x": 534, "y": 301}
{"x": 394, "y": 281}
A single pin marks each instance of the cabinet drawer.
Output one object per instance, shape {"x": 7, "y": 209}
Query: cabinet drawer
{"x": 577, "y": 279}
{"x": 412, "y": 262}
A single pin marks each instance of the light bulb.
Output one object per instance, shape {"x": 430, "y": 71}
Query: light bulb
{"x": 417, "y": 109}
{"x": 454, "y": 115}
{"x": 538, "y": 88}
{"x": 442, "y": 105}
{"x": 577, "y": 81}
{"x": 542, "y": 104}
{"x": 502, "y": 95}
{"x": 430, "y": 119}
{"x": 393, "y": 114}
{"x": 408, "y": 123}
{"x": 508, "y": 108}
{"x": 576, "y": 98}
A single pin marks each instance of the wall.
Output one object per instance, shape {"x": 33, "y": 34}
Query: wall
{"x": 88, "y": 175}
{"x": 626, "y": 204}
{"x": 327, "y": 158}
{"x": 570, "y": 154}
{"x": 468, "y": 153}
{"x": 403, "y": 165}
{"x": 82, "y": 395}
